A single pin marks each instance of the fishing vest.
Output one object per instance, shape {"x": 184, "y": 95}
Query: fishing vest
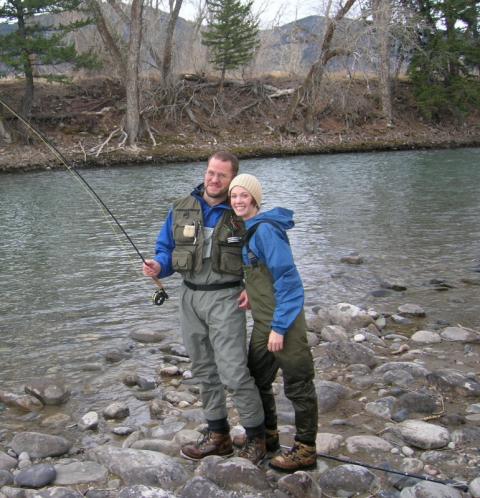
{"x": 226, "y": 253}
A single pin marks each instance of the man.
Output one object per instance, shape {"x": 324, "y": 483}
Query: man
{"x": 202, "y": 239}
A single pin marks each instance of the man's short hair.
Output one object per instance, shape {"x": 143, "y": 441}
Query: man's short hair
{"x": 225, "y": 156}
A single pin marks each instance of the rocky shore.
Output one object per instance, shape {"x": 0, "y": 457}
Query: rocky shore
{"x": 396, "y": 391}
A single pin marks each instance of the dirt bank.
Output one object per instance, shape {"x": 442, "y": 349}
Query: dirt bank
{"x": 79, "y": 118}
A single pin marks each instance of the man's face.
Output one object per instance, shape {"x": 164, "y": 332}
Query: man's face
{"x": 218, "y": 176}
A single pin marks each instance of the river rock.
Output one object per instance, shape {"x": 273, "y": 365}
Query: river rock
{"x": 367, "y": 443}
{"x": 381, "y": 407}
{"x": 300, "y": 485}
{"x": 426, "y": 489}
{"x": 234, "y": 473}
{"x": 349, "y": 353}
{"x": 48, "y": 391}
{"x": 167, "y": 431}
{"x": 171, "y": 448}
{"x": 58, "y": 492}
{"x": 416, "y": 402}
{"x": 36, "y": 476}
{"x": 175, "y": 397}
{"x": 146, "y": 383}
{"x": 24, "y": 402}
{"x": 456, "y": 381}
{"x": 328, "y": 443}
{"x": 416, "y": 370}
{"x": 347, "y": 480}
{"x": 39, "y": 445}
{"x": 346, "y": 315}
{"x": 352, "y": 259}
{"x": 140, "y": 466}
{"x": 200, "y": 487}
{"x": 116, "y": 411}
{"x": 426, "y": 337}
{"x": 89, "y": 421}
{"x": 421, "y": 434}
{"x": 6, "y": 478}
{"x": 396, "y": 286}
{"x": 84, "y": 472}
{"x": 474, "y": 488}
{"x": 140, "y": 491}
{"x": 147, "y": 336}
{"x": 329, "y": 394}
{"x": 7, "y": 462}
{"x": 334, "y": 333}
{"x": 459, "y": 334}
{"x": 56, "y": 421}
{"x": 410, "y": 309}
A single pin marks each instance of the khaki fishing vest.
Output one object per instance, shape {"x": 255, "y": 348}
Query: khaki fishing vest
{"x": 226, "y": 255}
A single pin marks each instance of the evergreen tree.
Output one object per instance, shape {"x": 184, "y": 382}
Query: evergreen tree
{"x": 31, "y": 43}
{"x": 445, "y": 67}
{"x": 231, "y": 35}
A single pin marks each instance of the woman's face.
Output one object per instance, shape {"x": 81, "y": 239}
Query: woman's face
{"x": 243, "y": 203}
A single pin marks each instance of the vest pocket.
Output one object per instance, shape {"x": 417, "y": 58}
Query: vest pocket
{"x": 231, "y": 259}
{"x": 182, "y": 260}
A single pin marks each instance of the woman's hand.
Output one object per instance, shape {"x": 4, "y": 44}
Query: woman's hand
{"x": 275, "y": 342}
{"x": 243, "y": 302}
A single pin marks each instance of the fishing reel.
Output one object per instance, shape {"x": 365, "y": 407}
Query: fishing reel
{"x": 159, "y": 297}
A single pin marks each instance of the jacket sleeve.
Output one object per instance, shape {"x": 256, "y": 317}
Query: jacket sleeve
{"x": 164, "y": 247}
{"x": 271, "y": 246}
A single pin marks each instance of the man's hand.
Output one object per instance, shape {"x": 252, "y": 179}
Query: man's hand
{"x": 275, "y": 342}
{"x": 151, "y": 268}
{"x": 243, "y": 302}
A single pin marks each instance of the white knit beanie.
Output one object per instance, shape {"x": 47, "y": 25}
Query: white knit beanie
{"x": 250, "y": 183}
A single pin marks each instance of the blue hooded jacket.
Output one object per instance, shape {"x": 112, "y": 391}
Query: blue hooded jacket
{"x": 165, "y": 242}
{"x": 270, "y": 245}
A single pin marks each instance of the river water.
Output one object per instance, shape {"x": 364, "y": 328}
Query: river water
{"x": 72, "y": 289}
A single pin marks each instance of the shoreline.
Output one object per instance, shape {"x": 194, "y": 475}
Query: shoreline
{"x": 29, "y": 158}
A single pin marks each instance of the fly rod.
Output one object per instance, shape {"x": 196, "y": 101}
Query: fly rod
{"x": 160, "y": 294}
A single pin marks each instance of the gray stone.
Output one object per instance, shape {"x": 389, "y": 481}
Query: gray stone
{"x": 141, "y": 491}
{"x": 147, "y": 336}
{"x": 23, "y": 402}
{"x": 234, "y": 473}
{"x": 36, "y": 476}
{"x": 328, "y": 443}
{"x": 300, "y": 485}
{"x": 7, "y": 462}
{"x": 329, "y": 394}
{"x": 414, "y": 369}
{"x": 48, "y": 391}
{"x": 367, "y": 443}
{"x": 460, "y": 334}
{"x": 58, "y": 492}
{"x": 416, "y": 402}
{"x": 426, "y": 337}
{"x": 474, "y": 488}
{"x": 200, "y": 487}
{"x": 40, "y": 445}
{"x": 410, "y": 309}
{"x": 381, "y": 407}
{"x": 349, "y": 353}
{"x": 89, "y": 421}
{"x": 141, "y": 466}
{"x": 166, "y": 431}
{"x": 430, "y": 490}
{"x": 456, "y": 381}
{"x": 347, "y": 479}
{"x": 171, "y": 448}
{"x": 6, "y": 478}
{"x": 116, "y": 411}
{"x": 334, "y": 333}
{"x": 347, "y": 315}
{"x": 421, "y": 434}
{"x": 80, "y": 473}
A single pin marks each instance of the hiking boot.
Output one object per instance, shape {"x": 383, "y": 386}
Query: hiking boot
{"x": 213, "y": 443}
{"x": 299, "y": 457}
{"x": 272, "y": 442}
{"x": 254, "y": 449}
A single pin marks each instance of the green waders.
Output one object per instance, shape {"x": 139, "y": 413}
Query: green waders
{"x": 295, "y": 359}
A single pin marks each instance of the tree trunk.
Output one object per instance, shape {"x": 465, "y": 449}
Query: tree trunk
{"x": 168, "y": 48}
{"x": 4, "y": 133}
{"x": 382, "y": 16}
{"x": 27, "y": 99}
{"x": 309, "y": 91}
{"x": 132, "y": 118}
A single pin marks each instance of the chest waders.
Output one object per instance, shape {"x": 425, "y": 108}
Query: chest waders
{"x": 295, "y": 359}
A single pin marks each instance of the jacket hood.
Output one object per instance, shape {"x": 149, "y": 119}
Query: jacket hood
{"x": 280, "y": 216}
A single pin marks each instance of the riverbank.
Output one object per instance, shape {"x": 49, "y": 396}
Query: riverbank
{"x": 80, "y": 119}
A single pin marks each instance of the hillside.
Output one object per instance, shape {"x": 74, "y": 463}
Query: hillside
{"x": 80, "y": 117}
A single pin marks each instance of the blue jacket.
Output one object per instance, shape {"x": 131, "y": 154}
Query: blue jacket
{"x": 165, "y": 242}
{"x": 270, "y": 245}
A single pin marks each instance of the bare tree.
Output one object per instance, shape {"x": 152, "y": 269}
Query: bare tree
{"x": 308, "y": 93}
{"x": 4, "y": 133}
{"x": 128, "y": 64}
{"x": 175, "y": 6}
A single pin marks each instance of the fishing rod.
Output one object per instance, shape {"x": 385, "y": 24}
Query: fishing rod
{"x": 160, "y": 295}
{"x": 452, "y": 483}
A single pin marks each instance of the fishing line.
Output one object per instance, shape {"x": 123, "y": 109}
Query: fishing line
{"x": 454, "y": 484}
{"x": 160, "y": 294}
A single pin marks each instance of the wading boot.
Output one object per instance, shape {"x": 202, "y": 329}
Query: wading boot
{"x": 272, "y": 442}
{"x": 254, "y": 449}
{"x": 299, "y": 457}
{"x": 213, "y": 443}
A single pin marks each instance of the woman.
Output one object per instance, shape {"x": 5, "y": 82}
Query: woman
{"x": 278, "y": 340}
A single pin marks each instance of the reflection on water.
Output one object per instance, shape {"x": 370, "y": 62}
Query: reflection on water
{"x": 71, "y": 289}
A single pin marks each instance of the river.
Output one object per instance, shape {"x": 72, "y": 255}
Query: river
{"x": 72, "y": 289}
